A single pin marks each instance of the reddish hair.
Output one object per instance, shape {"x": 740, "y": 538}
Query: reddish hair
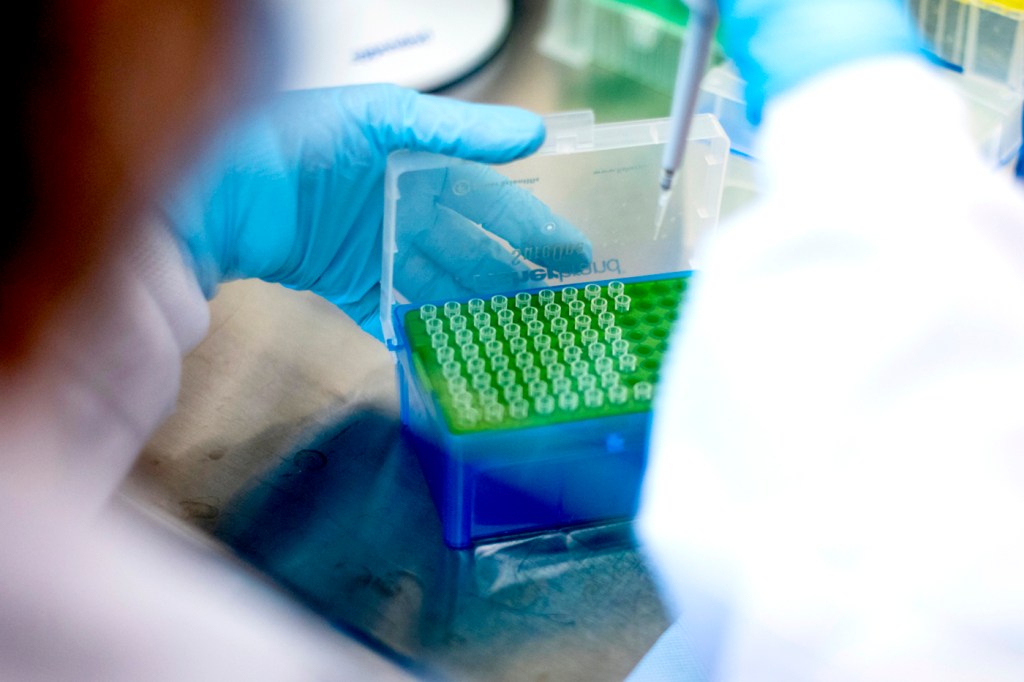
{"x": 111, "y": 100}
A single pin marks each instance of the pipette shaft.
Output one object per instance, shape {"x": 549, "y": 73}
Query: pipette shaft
{"x": 693, "y": 61}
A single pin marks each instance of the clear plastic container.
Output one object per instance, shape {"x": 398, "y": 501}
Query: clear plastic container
{"x": 984, "y": 37}
{"x": 722, "y": 94}
{"x": 994, "y": 115}
{"x": 639, "y": 39}
{"x": 528, "y": 306}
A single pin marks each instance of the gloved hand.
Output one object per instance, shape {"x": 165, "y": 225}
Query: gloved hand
{"x": 294, "y": 194}
{"x": 441, "y": 252}
{"x": 777, "y": 44}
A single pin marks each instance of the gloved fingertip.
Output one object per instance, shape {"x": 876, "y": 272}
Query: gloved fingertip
{"x": 529, "y": 127}
{"x": 501, "y": 134}
{"x": 489, "y": 133}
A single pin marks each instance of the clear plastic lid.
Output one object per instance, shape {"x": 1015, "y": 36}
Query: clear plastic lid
{"x": 584, "y": 208}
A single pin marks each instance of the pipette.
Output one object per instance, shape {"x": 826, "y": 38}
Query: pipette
{"x": 693, "y": 59}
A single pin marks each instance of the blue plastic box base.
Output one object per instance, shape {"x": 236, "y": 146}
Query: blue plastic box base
{"x": 507, "y": 482}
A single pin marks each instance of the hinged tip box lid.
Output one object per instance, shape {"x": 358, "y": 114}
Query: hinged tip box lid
{"x": 583, "y": 208}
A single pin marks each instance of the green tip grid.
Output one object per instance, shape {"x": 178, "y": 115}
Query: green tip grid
{"x": 545, "y": 357}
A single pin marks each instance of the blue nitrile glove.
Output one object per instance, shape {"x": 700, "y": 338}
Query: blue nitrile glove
{"x": 294, "y": 194}
{"x": 777, "y": 44}
{"x": 442, "y": 253}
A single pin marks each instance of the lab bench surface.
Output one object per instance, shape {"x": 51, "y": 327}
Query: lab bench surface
{"x": 286, "y": 447}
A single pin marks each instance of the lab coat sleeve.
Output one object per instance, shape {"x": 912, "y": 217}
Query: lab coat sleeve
{"x": 105, "y": 374}
{"x": 90, "y": 591}
{"x": 837, "y": 465}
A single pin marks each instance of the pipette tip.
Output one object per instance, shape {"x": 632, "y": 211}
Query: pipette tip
{"x": 662, "y": 209}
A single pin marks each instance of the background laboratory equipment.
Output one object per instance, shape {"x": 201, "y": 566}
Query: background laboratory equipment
{"x": 981, "y": 42}
{"x": 983, "y": 37}
{"x": 640, "y": 39}
{"x": 421, "y": 44}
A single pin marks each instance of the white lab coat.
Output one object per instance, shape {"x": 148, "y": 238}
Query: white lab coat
{"x": 91, "y": 593}
{"x": 839, "y": 448}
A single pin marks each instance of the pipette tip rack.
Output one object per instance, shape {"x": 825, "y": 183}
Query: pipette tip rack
{"x": 547, "y": 356}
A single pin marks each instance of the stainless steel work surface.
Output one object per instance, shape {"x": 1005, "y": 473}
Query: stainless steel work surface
{"x": 286, "y": 447}
{"x": 345, "y": 522}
